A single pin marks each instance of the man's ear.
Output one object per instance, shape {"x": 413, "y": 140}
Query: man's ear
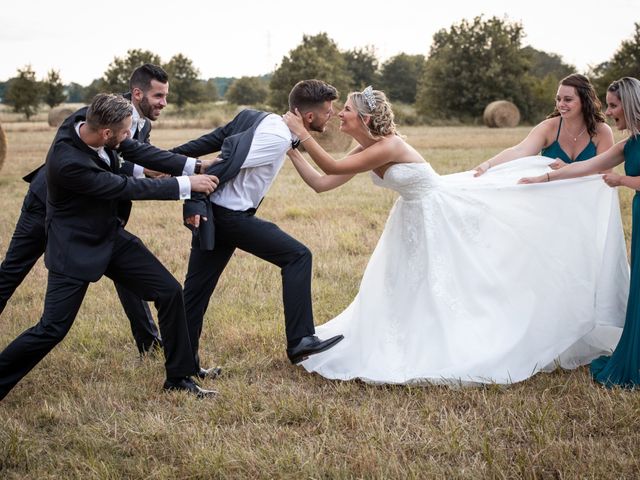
{"x": 308, "y": 117}
{"x": 137, "y": 94}
{"x": 105, "y": 133}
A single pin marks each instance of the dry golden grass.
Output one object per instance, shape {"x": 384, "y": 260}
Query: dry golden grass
{"x": 92, "y": 409}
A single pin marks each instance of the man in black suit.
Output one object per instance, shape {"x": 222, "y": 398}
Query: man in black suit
{"x": 252, "y": 149}
{"x": 149, "y": 89}
{"x": 86, "y": 238}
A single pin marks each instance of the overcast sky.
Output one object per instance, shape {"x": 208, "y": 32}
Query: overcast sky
{"x": 249, "y": 37}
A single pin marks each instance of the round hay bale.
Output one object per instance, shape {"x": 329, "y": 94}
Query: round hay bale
{"x": 501, "y": 114}
{"x": 332, "y": 139}
{"x": 3, "y": 146}
{"x": 57, "y": 115}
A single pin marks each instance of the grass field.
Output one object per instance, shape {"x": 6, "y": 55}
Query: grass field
{"x": 93, "y": 409}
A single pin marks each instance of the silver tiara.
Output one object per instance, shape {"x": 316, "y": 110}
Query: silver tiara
{"x": 368, "y": 95}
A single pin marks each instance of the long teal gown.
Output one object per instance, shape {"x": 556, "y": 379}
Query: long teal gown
{"x": 555, "y": 150}
{"x": 622, "y": 368}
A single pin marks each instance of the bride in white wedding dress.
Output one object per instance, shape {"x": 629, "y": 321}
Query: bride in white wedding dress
{"x": 474, "y": 280}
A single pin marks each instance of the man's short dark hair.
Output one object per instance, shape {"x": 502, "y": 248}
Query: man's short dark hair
{"x": 308, "y": 94}
{"x": 142, "y": 76}
{"x": 107, "y": 110}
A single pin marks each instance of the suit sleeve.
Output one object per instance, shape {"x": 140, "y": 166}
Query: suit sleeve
{"x": 152, "y": 157}
{"x": 127, "y": 168}
{"x": 207, "y": 143}
{"x": 86, "y": 179}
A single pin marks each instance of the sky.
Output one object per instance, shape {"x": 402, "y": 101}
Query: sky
{"x": 250, "y": 37}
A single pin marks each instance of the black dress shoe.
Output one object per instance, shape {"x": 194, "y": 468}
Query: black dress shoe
{"x": 212, "y": 373}
{"x": 310, "y": 346}
{"x": 187, "y": 384}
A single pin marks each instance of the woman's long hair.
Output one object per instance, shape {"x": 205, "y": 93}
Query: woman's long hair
{"x": 627, "y": 89}
{"x": 591, "y": 106}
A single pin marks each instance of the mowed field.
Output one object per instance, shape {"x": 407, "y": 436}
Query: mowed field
{"x": 94, "y": 409}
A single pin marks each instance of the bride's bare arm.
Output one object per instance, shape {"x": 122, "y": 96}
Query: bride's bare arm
{"x": 363, "y": 160}
{"x": 320, "y": 183}
{"x": 374, "y": 156}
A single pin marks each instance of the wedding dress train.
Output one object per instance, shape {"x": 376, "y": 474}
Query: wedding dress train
{"x": 481, "y": 280}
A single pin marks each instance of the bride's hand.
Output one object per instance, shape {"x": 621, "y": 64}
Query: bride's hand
{"x": 295, "y": 123}
{"x": 482, "y": 168}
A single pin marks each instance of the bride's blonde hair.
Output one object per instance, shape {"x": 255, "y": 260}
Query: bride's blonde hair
{"x": 375, "y": 104}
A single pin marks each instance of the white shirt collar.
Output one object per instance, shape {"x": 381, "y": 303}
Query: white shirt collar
{"x": 137, "y": 122}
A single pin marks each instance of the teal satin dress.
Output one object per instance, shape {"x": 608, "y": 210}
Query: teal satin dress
{"x": 555, "y": 150}
{"x": 622, "y": 368}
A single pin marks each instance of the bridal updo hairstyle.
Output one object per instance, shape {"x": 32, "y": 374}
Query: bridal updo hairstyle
{"x": 627, "y": 89}
{"x": 375, "y": 104}
{"x": 591, "y": 106}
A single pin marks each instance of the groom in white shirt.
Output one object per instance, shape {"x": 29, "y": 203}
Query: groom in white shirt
{"x": 252, "y": 150}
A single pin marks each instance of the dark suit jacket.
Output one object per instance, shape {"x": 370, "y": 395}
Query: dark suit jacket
{"x": 83, "y": 195}
{"x": 37, "y": 179}
{"x": 233, "y": 141}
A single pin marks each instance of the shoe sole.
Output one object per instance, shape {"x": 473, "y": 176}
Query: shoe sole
{"x": 306, "y": 355}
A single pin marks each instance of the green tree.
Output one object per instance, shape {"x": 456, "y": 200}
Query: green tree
{"x": 472, "y": 64}
{"x": 316, "y": 57}
{"x": 400, "y": 76}
{"x": 545, "y": 72}
{"x": 75, "y": 93}
{"x": 53, "y": 90}
{"x": 247, "y": 91}
{"x": 95, "y": 87}
{"x": 222, "y": 84}
{"x": 23, "y": 92}
{"x": 362, "y": 66}
{"x": 543, "y": 63}
{"x": 183, "y": 80}
{"x": 116, "y": 77}
{"x": 208, "y": 90}
{"x": 624, "y": 63}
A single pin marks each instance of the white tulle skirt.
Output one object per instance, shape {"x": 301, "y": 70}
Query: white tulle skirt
{"x": 480, "y": 280}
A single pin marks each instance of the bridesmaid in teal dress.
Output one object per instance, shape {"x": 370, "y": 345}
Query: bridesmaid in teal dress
{"x": 574, "y": 132}
{"x": 622, "y": 368}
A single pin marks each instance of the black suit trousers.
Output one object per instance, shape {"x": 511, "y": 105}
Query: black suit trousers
{"x": 136, "y": 268}
{"x": 27, "y": 246}
{"x": 243, "y": 230}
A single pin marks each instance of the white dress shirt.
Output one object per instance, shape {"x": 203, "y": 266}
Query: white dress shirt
{"x": 137, "y": 124}
{"x": 271, "y": 140}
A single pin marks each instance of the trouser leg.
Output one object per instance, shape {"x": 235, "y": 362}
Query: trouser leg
{"x": 143, "y": 328}
{"x": 62, "y": 302}
{"x": 26, "y": 247}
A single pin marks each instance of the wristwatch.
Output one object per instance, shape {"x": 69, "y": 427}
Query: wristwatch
{"x": 198, "y": 168}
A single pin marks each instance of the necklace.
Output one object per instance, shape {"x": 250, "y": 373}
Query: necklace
{"x": 575, "y": 137}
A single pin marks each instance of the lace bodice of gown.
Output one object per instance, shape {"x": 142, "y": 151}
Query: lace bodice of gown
{"x": 410, "y": 180}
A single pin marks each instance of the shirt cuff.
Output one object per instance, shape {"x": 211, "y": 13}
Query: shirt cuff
{"x": 189, "y": 166}
{"x": 138, "y": 171}
{"x": 185, "y": 187}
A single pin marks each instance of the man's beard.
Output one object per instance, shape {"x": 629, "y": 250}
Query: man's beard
{"x": 147, "y": 109}
{"x": 112, "y": 143}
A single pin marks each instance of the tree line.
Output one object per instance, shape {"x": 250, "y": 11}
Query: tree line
{"x": 469, "y": 65}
